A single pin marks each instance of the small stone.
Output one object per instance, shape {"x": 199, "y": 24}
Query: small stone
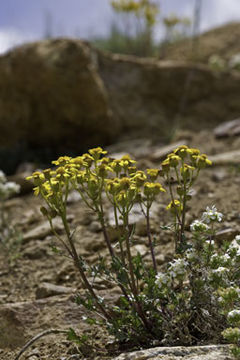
{"x": 141, "y": 227}
{"x": 228, "y": 128}
{"x": 219, "y": 175}
{"x": 225, "y": 235}
{"x": 42, "y": 230}
{"x": 95, "y": 227}
{"x": 160, "y": 259}
{"x": 161, "y": 153}
{"x": 228, "y": 158}
{"x": 45, "y": 290}
{"x": 35, "y": 251}
{"x": 74, "y": 197}
{"x": 139, "y": 249}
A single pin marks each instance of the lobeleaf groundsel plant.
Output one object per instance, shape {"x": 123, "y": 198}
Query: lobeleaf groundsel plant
{"x": 194, "y": 298}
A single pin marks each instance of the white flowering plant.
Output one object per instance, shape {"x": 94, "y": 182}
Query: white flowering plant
{"x": 185, "y": 303}
{"x": 8, "y": 235}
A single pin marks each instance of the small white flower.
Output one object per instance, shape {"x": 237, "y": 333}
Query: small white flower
{"x": 3, "y": 178}
{"x": 220, "y": 270}
{"x": 190, "y": 254}
{"x": 210, "y": 242}
{"x": 233, "y": 313}
{"x": 211, "y": 214}
{"x": 198, "y": 226}
{"x": 177, "y": 267}
{"x": 8, "y": 189}
{"x": 162, "y": 279}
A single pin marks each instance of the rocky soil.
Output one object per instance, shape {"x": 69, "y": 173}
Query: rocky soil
{"x": 37, "y": 287}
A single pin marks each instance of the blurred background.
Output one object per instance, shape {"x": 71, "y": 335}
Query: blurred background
{"x": 26, "y": 20}
{"x": 81, "y": 73}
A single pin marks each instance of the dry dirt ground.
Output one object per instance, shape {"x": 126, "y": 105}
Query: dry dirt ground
{"x": 28, "y": 306}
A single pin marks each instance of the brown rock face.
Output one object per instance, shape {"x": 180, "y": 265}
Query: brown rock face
{"x": 64, "y": 95}
{"x": 153, "y": 97}
{"x": 51, "y": 95}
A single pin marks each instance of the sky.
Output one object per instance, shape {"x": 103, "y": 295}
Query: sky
{"x": 27, "y": 20}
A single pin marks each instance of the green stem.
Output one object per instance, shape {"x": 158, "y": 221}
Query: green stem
{"x": 77, "y": 264}
{"x": 150, "y": 239}
{"x": 119, "y": 234}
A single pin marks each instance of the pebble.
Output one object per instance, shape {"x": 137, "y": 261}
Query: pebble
{"x": 161, "y": 153}
{"x": 228, "y": 128}
{"x": 227, "y": 158}
{"x": 45, "y": 290}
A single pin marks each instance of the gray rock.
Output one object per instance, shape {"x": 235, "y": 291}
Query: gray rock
{"x": 219, "y": 175}
{"x": 95, "y": 227}
{"x": 210, "y": 352}
{"x": 227, "y": 158}
{"x": 35, "y": 251}
{"x": 42, "y": 230}
{"x": 228, "y": 128}
{"x": 45, "y": 290}
{"x": 226, "y": 235}
{"x": 162, "y": 152}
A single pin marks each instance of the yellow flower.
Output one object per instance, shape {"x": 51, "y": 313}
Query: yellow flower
{"x": 174, "y": 206}
{"x": 37, "y": 177}
{"x": 132, "y": 170}
{"x": 173, "y": 160}
{"x": 122, "y": 198}
{"x": 102, "y": 170}
{"x": 97, "y": 152}
{"x": 185, "y": 171}
{"x": 113, "y": 186}
{"x": 201, "y": 161}
{"x": 125, "y": 183}
{"x": 193, "y": 151}
{"x": 62, "y": 160}
{"x": 36, "y": 190}
{"x": 153, "y": 173}
{"x": 88, "y": 160}
{"x": 78, "y": 162}
{"x": 139, "y": 178}
{"x": 126, "y": 161}
{"x": 152, "y": 189}
{"x": 116, "y": 166}
{"x": 181, "y": 151}
{"x": 165, "y": 166}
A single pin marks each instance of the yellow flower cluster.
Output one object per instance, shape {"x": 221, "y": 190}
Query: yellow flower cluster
{"x": 180, "y": 155}
{"x": 91, "y": 174}
{"x": 146, "y": 8}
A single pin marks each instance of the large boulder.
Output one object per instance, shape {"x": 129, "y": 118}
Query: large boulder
{"x": 52, "y": 96}
{"x": 154, "y": 97}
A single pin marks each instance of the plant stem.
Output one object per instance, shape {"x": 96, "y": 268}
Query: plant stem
{"x": 150, "y": 239}
{"x": 77, "y": 264}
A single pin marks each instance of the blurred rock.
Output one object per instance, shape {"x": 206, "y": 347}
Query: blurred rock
{"x": 36, "y": 251}
{"x": 137, "y": 148}
{"x": 12, "y": 329}
{"x": 95, "y": 227}
{"x": 228, "y": 128}
{"x": 26, "y": 187}
{"x": 146, "y": 95}
{"x": 219, "y": 175}
{"x": 51, "y": 96}
{"x": 42, "y": 230}
{"x": 227, "y": 158}
{"x": 208, "y": 352}
{"x": 162, "y": 152}
{"x": 225, "y": 235}
{"x": 45, "y": 290}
